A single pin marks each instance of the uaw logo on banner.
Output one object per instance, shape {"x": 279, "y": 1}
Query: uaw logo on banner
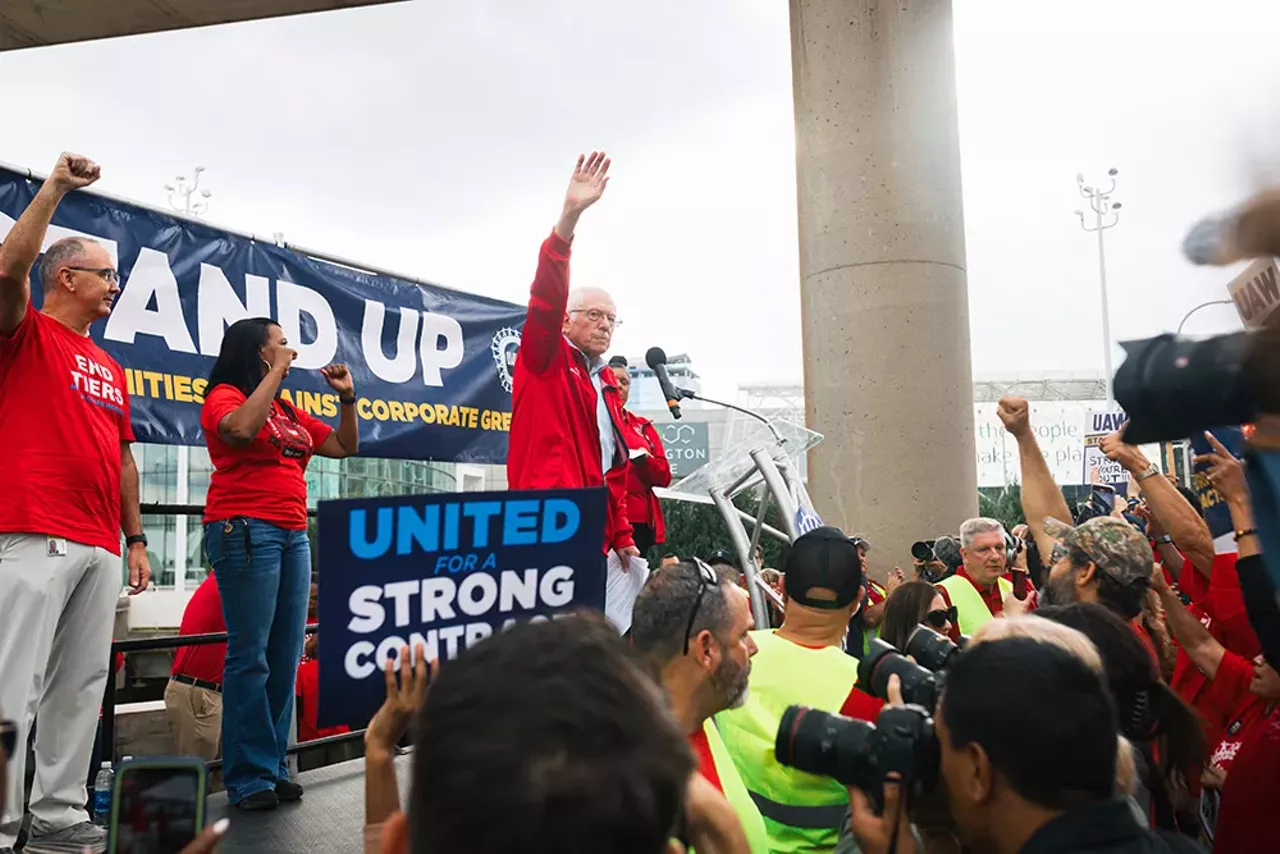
{"x": 445, "y": 571}
{"x": 422, "y": 356}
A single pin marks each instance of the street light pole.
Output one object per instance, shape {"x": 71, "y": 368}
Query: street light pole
{"x": 183, "y": 192}
{"x": 1106, "y": 214}
{"x": 180, "y": 195}
{"x": 1187, "y": 316}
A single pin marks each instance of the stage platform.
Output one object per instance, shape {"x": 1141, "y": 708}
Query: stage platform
{"x": 329, "y": 818}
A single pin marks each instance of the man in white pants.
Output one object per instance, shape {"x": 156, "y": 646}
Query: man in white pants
{"x": 68, "y": 487}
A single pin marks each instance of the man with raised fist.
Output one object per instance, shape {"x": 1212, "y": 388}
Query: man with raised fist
{"x": 68, "y": 491}
{"x": 566, "y": 411}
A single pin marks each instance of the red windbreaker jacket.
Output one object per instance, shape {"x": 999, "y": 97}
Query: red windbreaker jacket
{"x": 645, "y": 474}
{"x": 555, "y": 438}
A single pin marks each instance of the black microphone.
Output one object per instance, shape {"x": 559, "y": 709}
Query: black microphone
{"x": 656, "y": 359}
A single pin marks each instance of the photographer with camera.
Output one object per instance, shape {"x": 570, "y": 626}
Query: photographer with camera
{"x": 1027, "y": 739}
{"x": 692, "y": 627}
{"x": 801, "y": 663}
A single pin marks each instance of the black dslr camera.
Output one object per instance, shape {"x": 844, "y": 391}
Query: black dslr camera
{"x": 1173, "y": 387}
{"x": 922, "y": 680}
{"x": 859, "y": 754}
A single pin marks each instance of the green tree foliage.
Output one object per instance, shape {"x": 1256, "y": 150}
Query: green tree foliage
{"x": 1002, "y": 504}
{"x": 696, "y": 530}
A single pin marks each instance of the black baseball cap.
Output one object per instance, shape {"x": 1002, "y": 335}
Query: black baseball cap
{"x": 824, "y": 557}
{"x": 722, "y": 557}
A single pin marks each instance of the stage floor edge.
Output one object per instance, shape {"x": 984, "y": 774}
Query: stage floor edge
{"x": 329, "y": 818}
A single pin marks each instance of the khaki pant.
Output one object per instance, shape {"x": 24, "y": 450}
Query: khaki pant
{"x": 196, "y": 716}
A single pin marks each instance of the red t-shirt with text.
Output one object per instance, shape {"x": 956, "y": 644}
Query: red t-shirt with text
{"x": 1248, "y": 819}
{"x": 265, "y": 479}
{"x": 65, "y": 412}
{"x": 1241, "y": 709}
{"x": 203, "y": 616}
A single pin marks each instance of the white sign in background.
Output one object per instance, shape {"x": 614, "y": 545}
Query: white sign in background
{"x": 1058, "y": 426}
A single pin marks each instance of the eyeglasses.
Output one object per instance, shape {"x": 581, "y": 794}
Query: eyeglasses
{"x": 8, "y": 738}
{"x": 939, "y": 618}
{"x": 706, "y": 578}
{"x": 1059, "y": 553}
{"x": 107, "y": 274}
{"x": 595, "y": 315}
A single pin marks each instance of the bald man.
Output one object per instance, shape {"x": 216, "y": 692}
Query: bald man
{"x": 566, "y": 408}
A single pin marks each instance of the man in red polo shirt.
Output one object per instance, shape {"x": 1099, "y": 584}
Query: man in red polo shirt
{"x": 193, "y": 697}
{"x": 565, "y": 410}
{"x": 70, "y": 489}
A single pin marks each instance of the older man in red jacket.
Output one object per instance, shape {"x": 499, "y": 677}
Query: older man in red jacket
{"x": 566, "y": 409}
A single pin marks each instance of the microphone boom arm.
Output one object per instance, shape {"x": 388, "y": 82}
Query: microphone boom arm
{"x": 685, "y": 393}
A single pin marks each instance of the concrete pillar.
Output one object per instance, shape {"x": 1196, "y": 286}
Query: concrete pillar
{"x": 884, "y": 309}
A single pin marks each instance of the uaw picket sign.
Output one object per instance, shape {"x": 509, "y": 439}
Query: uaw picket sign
{"x": 1256, "y": 293}
{"x": 445, "y": 571}
{"x": 1098, "y": 425}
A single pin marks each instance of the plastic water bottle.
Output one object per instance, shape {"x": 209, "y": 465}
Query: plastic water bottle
{"x": 103, "y": 785}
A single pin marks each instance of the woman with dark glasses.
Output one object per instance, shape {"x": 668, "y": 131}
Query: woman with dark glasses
{"x": 911, "y": 604}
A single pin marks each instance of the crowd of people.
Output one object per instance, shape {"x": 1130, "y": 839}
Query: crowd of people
{"x": 1091, "y": 680}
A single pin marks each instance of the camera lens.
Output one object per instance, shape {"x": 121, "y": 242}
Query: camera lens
{"x": 931, "y": 650}
{"x": 1173, "y": 387}
{"x": 922, "y": 550}
{"x": 919, "y": 686}
{"x": 827, "y": 745}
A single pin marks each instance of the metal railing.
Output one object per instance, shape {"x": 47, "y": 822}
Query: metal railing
{"x": 107, "y": 748}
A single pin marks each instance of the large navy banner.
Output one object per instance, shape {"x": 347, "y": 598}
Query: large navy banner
{"x": 445, "y": 571}
{"x": 432, "y": 366}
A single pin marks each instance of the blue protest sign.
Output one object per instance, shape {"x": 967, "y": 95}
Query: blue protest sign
{"x": 432, "y": 366}
{"x": 446, "y": 571}
{"x": 1216, "y": 514}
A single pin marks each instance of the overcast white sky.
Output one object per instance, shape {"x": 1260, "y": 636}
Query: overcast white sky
{"x": 436, "y": 139}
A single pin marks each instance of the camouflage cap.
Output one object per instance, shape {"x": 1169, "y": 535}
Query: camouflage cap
{"x": 1114, "y": 546}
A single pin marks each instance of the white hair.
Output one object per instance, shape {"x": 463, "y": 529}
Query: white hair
{"x": 578, "y": 296}
{"x": 973, "y": 527}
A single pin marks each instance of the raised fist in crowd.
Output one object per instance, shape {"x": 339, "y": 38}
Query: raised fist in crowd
{"x": 1015, "y": 414}
{"x": 74, "y": 171}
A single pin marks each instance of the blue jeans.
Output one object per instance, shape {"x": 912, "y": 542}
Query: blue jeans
{"x": 264, "y": 577}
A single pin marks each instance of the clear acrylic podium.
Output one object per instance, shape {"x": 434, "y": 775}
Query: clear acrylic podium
{"x": 767, "y": 457}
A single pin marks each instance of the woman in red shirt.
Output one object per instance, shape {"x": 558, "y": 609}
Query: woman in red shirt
{"x": 255, "y": 536}
{"x": 648, "y": 467}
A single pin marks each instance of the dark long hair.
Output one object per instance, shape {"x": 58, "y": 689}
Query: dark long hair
{"x": 1146, "y": 707}
{"x": 904, "y": 610}
{"x": 239, "y": 362}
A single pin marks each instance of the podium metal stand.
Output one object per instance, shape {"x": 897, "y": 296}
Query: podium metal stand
{"x": 768, "y": 458}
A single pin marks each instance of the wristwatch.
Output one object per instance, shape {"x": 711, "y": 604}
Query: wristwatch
{"x": 134, "y": 539}
{"x": 1152, "y": 471}
{"x": 1166, "y": 540}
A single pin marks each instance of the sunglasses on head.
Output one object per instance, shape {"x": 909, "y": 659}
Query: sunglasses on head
{"x": 706, "y": 578}
{"x": 939, "y": 618}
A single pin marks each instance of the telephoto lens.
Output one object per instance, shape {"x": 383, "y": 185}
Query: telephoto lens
{"x": 919, "y": 686}
{"x": 827, "y": 745}
{"x": 1172, "y": 387}
{"x": 932, "y": 651}
{"x": 923, "y": 551}
{"x": 855, "y": 753}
